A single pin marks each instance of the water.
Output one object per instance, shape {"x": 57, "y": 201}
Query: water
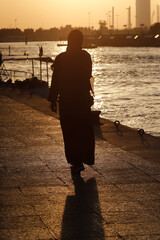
{"x": 127, "y": 81}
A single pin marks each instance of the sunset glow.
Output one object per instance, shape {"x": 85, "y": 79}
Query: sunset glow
{"x": 57, "y": 13}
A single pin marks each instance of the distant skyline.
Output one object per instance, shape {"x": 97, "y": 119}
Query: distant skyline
{"x": 143, "y": 16}
{"x": 56, "y": 13}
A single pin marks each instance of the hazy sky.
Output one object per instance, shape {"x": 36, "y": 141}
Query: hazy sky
{"x": 56, "y": 13}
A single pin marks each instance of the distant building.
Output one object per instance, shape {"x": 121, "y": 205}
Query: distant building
{"x": 102, "y": 27}
{"x": 158, "y": 13}
{"x": 143, "y": 12}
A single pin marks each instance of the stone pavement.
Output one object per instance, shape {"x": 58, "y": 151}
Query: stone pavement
{"x": 117, "y": 198}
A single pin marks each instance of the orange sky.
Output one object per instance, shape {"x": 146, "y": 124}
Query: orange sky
{"x": 56, "y": 13}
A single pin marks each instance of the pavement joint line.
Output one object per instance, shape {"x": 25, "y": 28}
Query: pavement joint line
{"x": 21, "y": 191}
{"x": 57, "y": 175}
{"x": 141, "y": 170}
{"x": 143, "y": 235}
{"x": 120, "y": 237}
{"x": 106, "y": 177}
{"x": 62, "y": 180}
{"x": 128, "y": 197}
{"x": 51, "y": 231}
{"x": 16, "y": 186}
{"x": 37, "y": 214}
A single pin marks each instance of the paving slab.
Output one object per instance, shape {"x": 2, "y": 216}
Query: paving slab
{"x": 117, "y": 198}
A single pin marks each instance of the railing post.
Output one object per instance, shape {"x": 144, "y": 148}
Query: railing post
{"x": 40, "y": 69}
{"x": 32, "y": 68}
{"x": 47, "y": 70}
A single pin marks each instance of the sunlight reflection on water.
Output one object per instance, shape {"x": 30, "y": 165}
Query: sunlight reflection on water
{"x": 127, "y": 81}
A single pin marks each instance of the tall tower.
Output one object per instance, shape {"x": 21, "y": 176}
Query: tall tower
{"x": 158, "y": 13}
{"x": 113, "y": 17}
{"x": 143, "y": 11}
{"x": 129, "y": 17}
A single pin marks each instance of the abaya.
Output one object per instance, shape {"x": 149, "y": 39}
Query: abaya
{"x": 71, "y": 85}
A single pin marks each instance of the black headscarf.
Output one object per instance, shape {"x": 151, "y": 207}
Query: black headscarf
{"x": 75, "y": 40}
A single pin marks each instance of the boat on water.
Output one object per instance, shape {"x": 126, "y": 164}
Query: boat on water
{"x": 90, "y": 45}
{"x": 62, "y": 44}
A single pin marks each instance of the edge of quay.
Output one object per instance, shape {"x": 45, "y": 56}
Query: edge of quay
{"x": 127, "y": 138}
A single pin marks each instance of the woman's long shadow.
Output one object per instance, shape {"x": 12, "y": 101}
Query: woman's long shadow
{"x": 82, "y": 215}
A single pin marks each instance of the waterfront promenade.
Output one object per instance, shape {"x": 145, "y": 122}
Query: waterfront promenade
{"x": 117, "y": 198}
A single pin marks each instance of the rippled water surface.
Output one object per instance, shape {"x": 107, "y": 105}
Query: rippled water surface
{"x": 127, "y": 81}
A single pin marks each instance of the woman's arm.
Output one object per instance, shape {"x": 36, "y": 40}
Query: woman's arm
{"x": 53, "y": 93}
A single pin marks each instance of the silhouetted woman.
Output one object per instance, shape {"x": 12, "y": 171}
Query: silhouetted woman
{"x": 71, "y": 85}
